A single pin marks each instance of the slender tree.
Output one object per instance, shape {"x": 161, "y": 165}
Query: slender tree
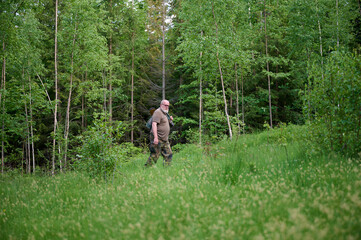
{"x": 338, "y": 38}
{"x": 200, "y": 95}
{"x": 31, "y": 125}
{"x": 132, "y": 79}
{"x": 67, "y": 118}
{"x": 221, "y": 75}
{"x": 237, "y": 93}
{"x": 268, "y": 69}
{"x": 83, "y": 104}
{"x": 28, "y": 149}
{"x": 320, "y": 38}
{"x": 242, "y": 94}
{"x": 110, "y": 63}
{"x": 56, "y": 85}
{"x": 163, "y": 47}
{"x": 2, "y": 103}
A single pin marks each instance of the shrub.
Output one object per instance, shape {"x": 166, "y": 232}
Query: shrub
{"x": 125, "y": 152}
{"x": 97, "y": 155}
{"x": 333, "y": 102}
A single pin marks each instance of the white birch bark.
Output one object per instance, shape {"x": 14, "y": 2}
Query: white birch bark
{"x": 242, "y": 96}
{"x": 237, "y": 99}
{"x": 163, "y": 50}
{"x": 132, "y": 87}
{"x": 200, "y": 96}
{"x": 220, "y": 72}
{"x": 320, "y": 38}
{"x": 267, "y": 62}
{"x": 2, "y": 101}
{"x": 132, "y": 95}
{"x": 338, "y": 38}
{"x": 67, "y": 118}
{"x": 28, "y": 151}
{"x": 31, "y": 126}
{"x": 56, "y": 86}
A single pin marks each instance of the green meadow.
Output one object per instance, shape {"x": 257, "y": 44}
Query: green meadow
{"x": 270, "y": 185}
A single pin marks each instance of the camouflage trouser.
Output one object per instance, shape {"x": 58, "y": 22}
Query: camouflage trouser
{"x": 155, "y": 150}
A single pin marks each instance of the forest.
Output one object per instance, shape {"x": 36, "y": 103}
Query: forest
{"x": 79, "y": 76}
{"x": 265, "y": 97}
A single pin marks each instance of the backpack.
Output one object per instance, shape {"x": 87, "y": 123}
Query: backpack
{"x": 149, "y": 123}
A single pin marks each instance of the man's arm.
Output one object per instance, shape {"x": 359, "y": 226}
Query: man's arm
{"x": 155, "y": 133}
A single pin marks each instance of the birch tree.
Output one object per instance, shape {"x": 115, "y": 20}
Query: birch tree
{"x": 56, "y": 86}
{"x": 221, "y": 75}
{"x": 267, "y": 62}
{"x": 79, "y": 33}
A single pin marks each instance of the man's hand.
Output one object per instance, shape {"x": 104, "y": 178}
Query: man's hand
{"x": 155, "y": 133}
{"x": 171, "y": 118}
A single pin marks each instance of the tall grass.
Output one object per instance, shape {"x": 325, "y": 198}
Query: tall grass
{"x": 256, "y": 187}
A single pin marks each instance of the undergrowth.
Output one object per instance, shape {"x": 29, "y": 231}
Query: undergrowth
{"x": 262, "y": 186}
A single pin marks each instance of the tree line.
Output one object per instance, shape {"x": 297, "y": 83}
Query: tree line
{"x": 228, "y": 67}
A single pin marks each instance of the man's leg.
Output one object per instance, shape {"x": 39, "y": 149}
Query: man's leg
{"x": 154, "y": 154}
{"x": 166, "y": 152}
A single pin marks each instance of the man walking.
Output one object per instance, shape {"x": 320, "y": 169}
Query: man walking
{"x": 159, "y": 143}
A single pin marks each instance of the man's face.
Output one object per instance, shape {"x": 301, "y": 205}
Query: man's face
{"x": 165, "y": 106}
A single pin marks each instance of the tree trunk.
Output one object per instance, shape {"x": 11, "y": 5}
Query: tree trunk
{"x": 321, "y": 48}
{"x": 110, "y": 104}
{"x": 28, "y": 160}
{"x": 200, "y": 96}
{"x": 320, "y": 37}
{"x": 28, "y": 151}
{"x": 132, "y": 87}
{"x": 31, "y": 127}
{"x": 82, "y": 112}
{"x": 56, "y": 85}
{"x": 23, "y": 158}
{"x": 253, "y": 70}
{"x": 47, "y": 94}
{"x": 220, "y": 72}
{"x": 3, "y": 135}
{"x": 3, "y": 71}
{"x": 67, "y": 118}
{"x": 104, "y": 93}
{"x": 237, "y": 101}
{"x": 60, "y": 158}
{"x": 242, "y": 101}
{"x": 163, "y": 50}
{"x": 132, "y": 95}
{"x": 338, "y": 39}
{"x": 110, "y": 84}
{"x": 3, "y": 80}
{"x": 83, "y": 104}
{"x": 267, "y": 62}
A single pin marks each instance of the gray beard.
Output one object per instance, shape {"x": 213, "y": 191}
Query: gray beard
{"x": 165, "y": 111}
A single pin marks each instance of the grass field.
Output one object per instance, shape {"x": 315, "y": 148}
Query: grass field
{"x": 260, "y": 186}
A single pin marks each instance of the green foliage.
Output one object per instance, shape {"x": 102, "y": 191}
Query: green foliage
{"x": 265, "y": 196}
{"x": 334, "y": 102}
{"x": 125, "y": 152}
{"x": 282, "y": 144}
{"x": 97, "y": 156}
{"x": 111, "y": 49}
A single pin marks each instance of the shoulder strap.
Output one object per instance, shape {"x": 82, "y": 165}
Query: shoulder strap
{"x": 168, "y": 116}
{"x": 170, "y": 121}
